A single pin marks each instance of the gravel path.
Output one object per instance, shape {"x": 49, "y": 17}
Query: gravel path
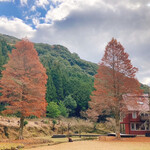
{"x": 97, "y": 145}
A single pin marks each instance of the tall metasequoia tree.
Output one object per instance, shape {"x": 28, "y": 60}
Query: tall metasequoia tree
{"x": 115, "y": 77}
{"x": 23, "y": 83}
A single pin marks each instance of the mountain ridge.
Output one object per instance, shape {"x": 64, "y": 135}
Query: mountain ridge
{"x": 43, "y": 48}
{"x": 68, "y": 75}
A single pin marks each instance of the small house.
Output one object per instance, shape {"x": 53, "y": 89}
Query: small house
{"x": 136, "y": 119}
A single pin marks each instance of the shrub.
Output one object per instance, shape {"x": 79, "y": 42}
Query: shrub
{"x": 110, "y": 124}
{"x": 54, "y": 122}
{"x": 53, "y": 110}
{"x": 25, "y": 123}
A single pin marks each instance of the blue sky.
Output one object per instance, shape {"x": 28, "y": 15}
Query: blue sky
{"x": 83, "y": 26}
{"x": 26, "y": 11}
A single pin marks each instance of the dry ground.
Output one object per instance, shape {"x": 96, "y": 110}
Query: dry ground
{"x": 104, "y": 143}
{"x": 96, "y": 145}
{"x": 139, "y": 143}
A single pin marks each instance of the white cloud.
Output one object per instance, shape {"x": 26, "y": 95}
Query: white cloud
{"x": 33, "y": 8}
{"x": 24, "y": 2}
{"x": 58, "y": 13}
{"x": 64, "y": 7}
{"x": 86, "y": 26}
{"x": 36, "y": 21}
{"x": 6, "y": 0}
{"x": 41, "y": 3}
{"x": 148, "y": 4}
{"x": 146, "y": 80}
{"x": 15, "y": 27}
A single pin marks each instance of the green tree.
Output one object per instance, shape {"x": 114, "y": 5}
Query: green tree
{"x": 70, "y": 104}
{"x": 57, "y": 79}
{"x": 82, "y": 96}
{"x": 4, "y": 48}
{"x": 1, "y": 62}
{"x": 51, "y": 90}
{"x": 53, "y": 110}
{"x": 65, "y": 81}
{"x": 80, "y": 92}
{"x": 63, "y": 109}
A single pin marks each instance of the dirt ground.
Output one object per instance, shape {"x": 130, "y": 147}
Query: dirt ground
{"x": 138, "y": 143}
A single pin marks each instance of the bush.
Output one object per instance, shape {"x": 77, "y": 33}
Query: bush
{"x": 25, "y": 123}
{"x": 110, "y": 124}
{"x": 77, "y": 125}
{"x": 54, "y": 122}
{"x": 53, "y": 110}
{"x": 46, "y": 122}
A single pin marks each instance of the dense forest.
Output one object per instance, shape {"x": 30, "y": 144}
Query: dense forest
{"x": 70, "y": 79}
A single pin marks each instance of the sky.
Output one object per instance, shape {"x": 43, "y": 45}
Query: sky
{"x": 83, "y": 26}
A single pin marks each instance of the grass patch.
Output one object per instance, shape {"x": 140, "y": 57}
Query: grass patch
{"x": 10, "y": 145}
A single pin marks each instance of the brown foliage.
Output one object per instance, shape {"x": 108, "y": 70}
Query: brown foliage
{"x": 23, "y": 82}
{"x": 115, "y": 77}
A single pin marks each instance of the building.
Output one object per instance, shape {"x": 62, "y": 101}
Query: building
{"x": 136, "y": 119}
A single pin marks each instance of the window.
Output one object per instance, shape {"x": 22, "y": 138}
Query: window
{"x": 134, "y": 115}
{"x": 140, "y": 127}
{"x": 133, "y": 126}
{"x": 143, "y": 127}
{"x": 137, "y": 126}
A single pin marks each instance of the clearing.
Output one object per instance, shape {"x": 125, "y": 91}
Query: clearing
{"x": 138, "y": 143}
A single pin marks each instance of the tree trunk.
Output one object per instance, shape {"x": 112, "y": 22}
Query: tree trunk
{"x": 21, "y": 128}
{"x": 117, "y": 128}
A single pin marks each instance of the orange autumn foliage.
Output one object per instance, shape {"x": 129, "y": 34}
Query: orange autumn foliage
{"x": 23, "y": 82}
{"x": 115, "y": 77}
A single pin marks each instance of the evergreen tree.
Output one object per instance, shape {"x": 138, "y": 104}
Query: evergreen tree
{"x": 57, "y": 80}
{"x": 1, "y": 61}
{"x": 65, "y": 81}
{"x": 51, "y": 90}
{"x": 3, "y": 55}
{"x": 70, "y": 104}
{"x": 82, "y": 97}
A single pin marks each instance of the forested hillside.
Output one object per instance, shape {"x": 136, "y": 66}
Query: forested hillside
{"x": 70, "y": 79}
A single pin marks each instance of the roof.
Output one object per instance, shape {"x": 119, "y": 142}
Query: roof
{"x": 136, "y": 102}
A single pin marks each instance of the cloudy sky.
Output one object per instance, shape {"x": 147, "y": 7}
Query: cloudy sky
{"x": 83, "y": 26}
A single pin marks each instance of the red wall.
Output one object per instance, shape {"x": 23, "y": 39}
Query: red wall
{"x": 139, "y": 132}
{"x": 127, "y": 120}
{"x": 127, "y": 128}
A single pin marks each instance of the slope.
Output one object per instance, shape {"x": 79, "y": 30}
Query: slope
{"x": 68, "y": 75}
